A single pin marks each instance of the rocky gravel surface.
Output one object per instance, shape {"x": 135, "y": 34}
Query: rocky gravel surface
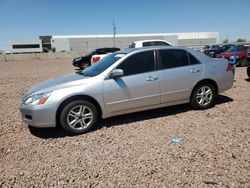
{"x": 134, "y": 150}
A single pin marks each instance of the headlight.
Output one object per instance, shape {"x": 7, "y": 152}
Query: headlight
{"x": 78, "y": 59}
{"x": 38, "y": 99}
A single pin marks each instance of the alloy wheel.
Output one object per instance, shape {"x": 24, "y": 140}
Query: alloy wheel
{"x": 204, "y": 96}
{"x": 80, "y": 117}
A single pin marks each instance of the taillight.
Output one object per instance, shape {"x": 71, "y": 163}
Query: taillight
{"x": 95, "y": 59}
{"x": 229, "y": 67}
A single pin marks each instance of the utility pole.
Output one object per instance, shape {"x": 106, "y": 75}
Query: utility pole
{"x": 114, "y": 31}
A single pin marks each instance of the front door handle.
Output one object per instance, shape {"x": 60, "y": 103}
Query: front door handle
{"x": 194, "y": 70}
{"x": 151, "y": 78}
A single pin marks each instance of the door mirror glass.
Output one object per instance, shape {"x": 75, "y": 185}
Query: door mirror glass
{"x": 116, "y": 73}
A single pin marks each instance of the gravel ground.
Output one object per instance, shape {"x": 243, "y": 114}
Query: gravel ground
{"x": 134, "y": 150}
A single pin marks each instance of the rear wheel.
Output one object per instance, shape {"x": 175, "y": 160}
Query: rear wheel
{"x": 248, "y": 72}
{"x": 203, "y": 96}
{"x": 240, "y": 63}
{"x": 78, "y": 117}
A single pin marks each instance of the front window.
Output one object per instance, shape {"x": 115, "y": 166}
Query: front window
{"x": 138, "y": 63}
{"x": 102, "y": 65}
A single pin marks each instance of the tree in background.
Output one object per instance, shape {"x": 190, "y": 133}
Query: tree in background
{"x": 225, "y": 41}
{"x": 241, "y": 40}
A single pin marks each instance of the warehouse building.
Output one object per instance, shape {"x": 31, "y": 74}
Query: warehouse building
{"x": 79, "y": 43}
{"x": 31, "y": 46}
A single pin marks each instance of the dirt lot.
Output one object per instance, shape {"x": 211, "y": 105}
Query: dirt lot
{"x": 133, "y": 150}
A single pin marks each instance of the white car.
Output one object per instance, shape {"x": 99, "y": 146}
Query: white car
{"x": 145, "y": 43}
{"x": 136, "y": 44}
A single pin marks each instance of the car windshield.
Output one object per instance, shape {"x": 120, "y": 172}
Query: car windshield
{"x": 102, "y": 65}
{"x": 206, "y": 47}
{"x": 90, "y": 53}
{"x": 132, "y": 45}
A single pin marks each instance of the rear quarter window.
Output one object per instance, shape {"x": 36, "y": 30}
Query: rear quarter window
{"x": 193, "y": 60}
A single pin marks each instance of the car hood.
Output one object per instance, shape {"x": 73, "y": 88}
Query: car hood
{"x": 58, "y": 83}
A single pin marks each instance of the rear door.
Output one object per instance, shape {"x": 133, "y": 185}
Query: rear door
{"x": 179, "y": 71}
{"x": 139, "y": 87}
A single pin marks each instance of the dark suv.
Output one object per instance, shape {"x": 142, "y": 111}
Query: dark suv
{"x": 248, "y": 62}
{"x": 85, "y": 61}
{"x": 215, "y": 50}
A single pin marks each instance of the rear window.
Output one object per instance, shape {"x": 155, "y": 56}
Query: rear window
{"x": 155, "y": 43}
{"x": 161, "y": 43}
{"x": 147, "y": 44}
{"x": 173, "y": 58}
{"x": 100, "y": 51}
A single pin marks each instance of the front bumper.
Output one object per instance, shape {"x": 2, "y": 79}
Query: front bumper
{"x": 76, "y": 63}
{"x": 39, "y": 115}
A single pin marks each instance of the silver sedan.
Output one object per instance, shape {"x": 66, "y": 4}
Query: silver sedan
{"x": 126, "y": 82}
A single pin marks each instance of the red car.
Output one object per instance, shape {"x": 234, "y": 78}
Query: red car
{"x": 241, "y": 53}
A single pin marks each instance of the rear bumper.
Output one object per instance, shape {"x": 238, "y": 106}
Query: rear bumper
{"x": 226, "y": 82}
{"x": 39, "y": 116}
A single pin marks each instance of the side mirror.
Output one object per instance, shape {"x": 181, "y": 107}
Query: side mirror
{"x": 116, "y": 73}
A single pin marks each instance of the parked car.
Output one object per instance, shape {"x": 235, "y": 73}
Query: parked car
{"x": 126, "y": 82}
{"x": 206, "y": 47}
{"x": 248, "y": 62}
{"x": 146, "y": 43}
{"x": 241, "y": 54}
{"x": 85, "y": 61}
{"x": 215, "y": 50}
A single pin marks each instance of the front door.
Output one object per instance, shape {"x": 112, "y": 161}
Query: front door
{"x": 138, "y": 87}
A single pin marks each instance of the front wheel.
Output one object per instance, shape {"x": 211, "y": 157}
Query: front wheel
{"x": 84, "y": 65}
{"x": 203, "y": 96}
{"x": 78, "y": 117}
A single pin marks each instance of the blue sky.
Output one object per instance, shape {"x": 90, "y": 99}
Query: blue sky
{"x": 27, "y": 19}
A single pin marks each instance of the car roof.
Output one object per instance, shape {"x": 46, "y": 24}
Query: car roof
{"x": 130, "y": 50}
{"x": 151, "y": 40}
{"x": 200, "y": 56}
{"x": 106, "y": 48}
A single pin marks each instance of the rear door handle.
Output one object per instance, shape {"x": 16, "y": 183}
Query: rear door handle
{"x": 152, "y": 78}
{"x": 194, "y": 70}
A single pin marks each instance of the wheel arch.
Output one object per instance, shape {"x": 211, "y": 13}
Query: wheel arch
{"x": 74, "y": 98}
{"x": 207, "y": 81}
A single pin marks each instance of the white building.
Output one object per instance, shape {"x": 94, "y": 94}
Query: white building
{"x": 26, "y": 46}
{"x": 79, "y": 43}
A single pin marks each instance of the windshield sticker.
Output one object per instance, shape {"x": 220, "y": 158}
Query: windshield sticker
{"x": 120, "y": 55}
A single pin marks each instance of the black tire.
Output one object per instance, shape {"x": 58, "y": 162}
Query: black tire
{"x": 82, "y": 123}
{"x": 248, "y": 72}
{"x": 84, "y": 65}
{"x": 203, "y": 101}
{"x": 240, "y": 63}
